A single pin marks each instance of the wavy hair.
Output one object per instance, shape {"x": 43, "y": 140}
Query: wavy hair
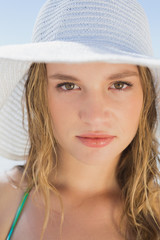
{"x": 137, "y": 171}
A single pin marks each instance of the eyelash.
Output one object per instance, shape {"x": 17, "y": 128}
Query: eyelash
{"x": 121, "y": 82}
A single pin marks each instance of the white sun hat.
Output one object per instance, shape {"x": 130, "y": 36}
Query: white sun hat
{"x": 71, "y": 31}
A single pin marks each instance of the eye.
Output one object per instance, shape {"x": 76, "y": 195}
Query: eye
{"x": 67, "y": 86}
{"x": 120, "y": 85}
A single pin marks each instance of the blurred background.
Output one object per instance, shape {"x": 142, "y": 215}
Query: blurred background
{"x": 16, "y": 23}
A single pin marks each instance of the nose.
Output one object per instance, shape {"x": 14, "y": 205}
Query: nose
{"x": 96, "y": 109}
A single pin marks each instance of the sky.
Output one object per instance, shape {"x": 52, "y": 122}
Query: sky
{"x": 18, "y": 17}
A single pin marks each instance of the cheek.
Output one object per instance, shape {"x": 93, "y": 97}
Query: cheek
{"x": 63, "y": 119}
{"x": 61, "y": 113}
{"x": 132, "y": 112}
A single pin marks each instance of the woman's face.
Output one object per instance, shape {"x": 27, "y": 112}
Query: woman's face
{"x": 100, "y": 97}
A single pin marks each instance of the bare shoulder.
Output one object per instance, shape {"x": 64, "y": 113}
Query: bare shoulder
{"x": 156, "y": 201}
{"x": 10, "y": 196}
{"x": 9, "y": 181}
{"x": 156, "y": 205}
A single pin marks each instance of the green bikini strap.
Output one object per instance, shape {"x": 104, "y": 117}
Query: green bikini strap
{"x": 19, "y": 210}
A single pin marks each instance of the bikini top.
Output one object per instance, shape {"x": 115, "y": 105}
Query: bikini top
{"x": 18, "y": 213}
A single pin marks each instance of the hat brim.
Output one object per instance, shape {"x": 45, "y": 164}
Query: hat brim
{"x": 63, "y": 51}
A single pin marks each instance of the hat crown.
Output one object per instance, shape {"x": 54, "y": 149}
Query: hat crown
{"x": 107, "y": 24}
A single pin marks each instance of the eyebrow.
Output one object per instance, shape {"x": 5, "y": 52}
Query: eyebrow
{"x": 121, "y": 75}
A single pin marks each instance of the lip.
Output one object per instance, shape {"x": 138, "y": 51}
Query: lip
{"x": 96, "y": 142}
{"x": 95, "y": 135}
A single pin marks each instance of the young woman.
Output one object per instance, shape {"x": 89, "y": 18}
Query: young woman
{"x": 81, "y": 105}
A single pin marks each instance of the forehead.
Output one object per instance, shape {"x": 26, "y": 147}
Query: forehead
{"x": 82, "y": 70}
{"x": 96, "y": 66}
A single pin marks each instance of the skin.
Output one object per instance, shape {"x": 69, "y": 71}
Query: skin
{"x": 94, "y": 104}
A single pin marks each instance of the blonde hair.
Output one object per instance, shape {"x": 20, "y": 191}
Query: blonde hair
{"x": 137, "y": 170}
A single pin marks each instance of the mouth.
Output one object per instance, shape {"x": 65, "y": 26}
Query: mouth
{"x": 97, "y": 141}
{"x": 93, "y": 135}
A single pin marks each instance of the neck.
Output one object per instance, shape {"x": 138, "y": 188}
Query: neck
{"x": 79, "y": 178}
